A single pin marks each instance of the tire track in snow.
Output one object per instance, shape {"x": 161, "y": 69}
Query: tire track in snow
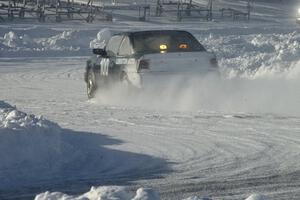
{"x": 218, "y": 155}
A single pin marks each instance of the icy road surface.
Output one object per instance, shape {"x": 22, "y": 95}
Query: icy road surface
{"x": 216, "y": 154}
{"x": 223, "y": 139}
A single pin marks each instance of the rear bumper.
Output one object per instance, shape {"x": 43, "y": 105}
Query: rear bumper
{"x": 166, "y": 79}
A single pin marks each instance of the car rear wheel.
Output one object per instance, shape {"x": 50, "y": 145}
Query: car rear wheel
{"x": 91, "y": 84}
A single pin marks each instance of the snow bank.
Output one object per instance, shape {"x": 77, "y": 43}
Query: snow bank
{"x": 33, "y": 149}
{"x": 60, "y": 42}
{"x": 28, "y": 144}
{"x": 120, "y": 193}
{"x": 12, "y": 40}
{"x": 27, "y": 43}
{"x": 197, "y": 198}
{"x": 104, "y": 193}
{"x": 41, "y": 41}
{"x": 38, "y": 154}
{"x": 255, "y": 55}
{"x": 13, "y": 119}
{"x": 25, "y": 140}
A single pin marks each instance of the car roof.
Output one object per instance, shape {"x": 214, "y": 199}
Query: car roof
{"x": 129, "y": 33}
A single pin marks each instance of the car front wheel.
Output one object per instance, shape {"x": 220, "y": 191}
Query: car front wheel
{"x": 91, "y": 84}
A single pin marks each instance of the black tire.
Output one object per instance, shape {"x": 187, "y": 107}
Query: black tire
{"x": 91, "y": 84}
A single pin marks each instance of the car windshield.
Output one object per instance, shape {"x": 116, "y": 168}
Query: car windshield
{"x": 164, "y": 41}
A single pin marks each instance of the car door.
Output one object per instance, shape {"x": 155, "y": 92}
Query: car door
{"x": 127, "y": 63}
{"x": 125, "y": 53}
{"x": 108, "y": 63}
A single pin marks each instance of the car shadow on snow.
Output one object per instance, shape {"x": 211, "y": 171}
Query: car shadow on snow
{"x": 68, "y": 161}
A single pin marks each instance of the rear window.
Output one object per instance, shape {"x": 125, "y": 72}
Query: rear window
{"x": 164, "y": 41}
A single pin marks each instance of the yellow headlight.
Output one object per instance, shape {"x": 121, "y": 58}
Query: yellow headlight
{"x": 299, "y": 11}
{"x": 163, "y": 47}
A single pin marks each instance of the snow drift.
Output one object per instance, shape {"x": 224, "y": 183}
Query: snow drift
{"x": 13, "y": 119}
{"x": 26, "y": 141}
{"x": 253, "y": 55}
{"x": 37, "y": 153}
{"x": 49, "y": 43}
{"x": 104, "y": 193}
{"x": 30, "y": 146}
{"x": 120, "y": 193}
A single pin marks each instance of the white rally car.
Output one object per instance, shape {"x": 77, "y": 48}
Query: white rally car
{"x": 131, "y": 57}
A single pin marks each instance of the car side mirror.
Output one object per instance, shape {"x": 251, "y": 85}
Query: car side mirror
{"x": 100, "y": 52}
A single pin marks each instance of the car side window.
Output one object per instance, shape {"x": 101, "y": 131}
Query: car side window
{"x": 125, "y": 48}
{"x": 113, "y": 45}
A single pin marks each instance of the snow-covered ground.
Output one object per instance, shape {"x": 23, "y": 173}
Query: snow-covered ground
{"x": 222, "y": 138}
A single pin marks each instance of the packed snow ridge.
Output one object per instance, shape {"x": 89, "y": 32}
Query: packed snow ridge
{"x": 120, "y": 193}
{"x": 26, "y": 44}
{"x": 255, "y": 56}
{"x": 27, "y": 143}
{"x": 13, "y": 119}
{"x": 104, "y": 193}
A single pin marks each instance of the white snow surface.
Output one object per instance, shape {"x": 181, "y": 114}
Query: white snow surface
{"x": 232, "y": 138}
{"x": 30, "y": 141}
{"x": 49, "y": 43}
{"x": 120, "y": 193}
{"x": 104, "y": 193}
{"x": 257, "y": 197}
{"x": 43, "y": 142}
{"x": 11, "y": 118}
